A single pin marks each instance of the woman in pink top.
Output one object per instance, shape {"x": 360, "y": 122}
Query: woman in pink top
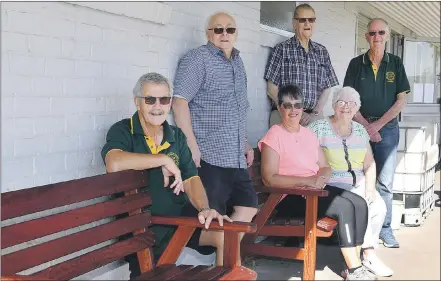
{"x": 291, "y": 156}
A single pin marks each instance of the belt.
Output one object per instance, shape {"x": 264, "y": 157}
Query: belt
{"x": 371, "y": 119}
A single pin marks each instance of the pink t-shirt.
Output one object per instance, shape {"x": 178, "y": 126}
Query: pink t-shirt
{"x": 298, "y": 152}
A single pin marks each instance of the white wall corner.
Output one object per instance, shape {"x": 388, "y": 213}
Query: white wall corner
{"x": 149, "y": 11}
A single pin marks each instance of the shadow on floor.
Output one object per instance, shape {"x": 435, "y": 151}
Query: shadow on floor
{"x": 438, "y": 201}
{"x": 329, "y": 258}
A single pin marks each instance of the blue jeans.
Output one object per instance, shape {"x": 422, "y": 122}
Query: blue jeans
{"x": 385, "y": 153}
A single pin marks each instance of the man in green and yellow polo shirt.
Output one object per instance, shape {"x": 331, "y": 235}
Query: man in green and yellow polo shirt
{"x": 381, "y": 80}
{"x": 147, "y": 142}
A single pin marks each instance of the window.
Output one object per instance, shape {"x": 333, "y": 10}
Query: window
{"x": 422, "y": 63}
{"x": 277, "y": 14}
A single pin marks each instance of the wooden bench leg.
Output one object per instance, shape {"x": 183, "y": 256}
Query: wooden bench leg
{"x": 309, "y": 262}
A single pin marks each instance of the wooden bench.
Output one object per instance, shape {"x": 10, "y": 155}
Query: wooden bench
{"x": 309, "y": 227}
{"x": 126, "y": 216}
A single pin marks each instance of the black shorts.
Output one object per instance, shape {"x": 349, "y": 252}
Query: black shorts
{"x": 227, "y": 187}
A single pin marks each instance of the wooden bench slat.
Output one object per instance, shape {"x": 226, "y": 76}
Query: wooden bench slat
{"x": 239, "y": 273}
{"x": 39, "y": 254}
{"x": 274, "y": 251}
{"x": 17, "y": 233}
{"x": 211, "y": 274}
{"x": 156, "y": 271}
{"x": 28, "y": 201}
{"x": 172, "y": 272}
{"x": 193, "y": 271}
{"x": 95, "y": 259}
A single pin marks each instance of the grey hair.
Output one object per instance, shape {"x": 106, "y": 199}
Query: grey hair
{"x": 379, "y": 19}
{"x": 151, "y": 77}
{"x": 355, "y": 96}
{"x": 210, "y": 18}
{"x": 304, "y": 6}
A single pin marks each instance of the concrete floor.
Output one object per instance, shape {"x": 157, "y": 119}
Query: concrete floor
{"x": 418, "y": 258}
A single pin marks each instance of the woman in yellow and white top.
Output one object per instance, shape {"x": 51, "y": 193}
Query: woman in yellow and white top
{"x": 345, "y": 144}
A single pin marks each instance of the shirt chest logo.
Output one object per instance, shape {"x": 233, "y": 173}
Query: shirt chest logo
{"x": 390, "y": 76}
{"x": 175, "y": 157}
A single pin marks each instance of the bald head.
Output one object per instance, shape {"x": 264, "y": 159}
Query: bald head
{"x": 213, "y": 18}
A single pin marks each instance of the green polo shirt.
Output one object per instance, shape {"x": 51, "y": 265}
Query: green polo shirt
{"x": 378, "y": 91}
{"x": 128, "y": 135}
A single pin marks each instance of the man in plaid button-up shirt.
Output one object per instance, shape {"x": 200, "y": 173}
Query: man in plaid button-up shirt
{"x": 302, "y": 62}
{"x": 210, "y": 107}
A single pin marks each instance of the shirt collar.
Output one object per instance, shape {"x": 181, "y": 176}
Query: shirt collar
{"x": 297, "y": 43}
{"x": 215, "y": 50}
{"x": 367, "y": 60}
{"x": 136, "y": 128}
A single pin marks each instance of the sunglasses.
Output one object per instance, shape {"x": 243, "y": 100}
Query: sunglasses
{"x": 152, "y": 100}
{"x": 350, "y": 104}
{"x": 381, "y": 32}
{"x": 220, "y": 30}
{"x": 288, "y": 105}
{"x": 303, "y": 20}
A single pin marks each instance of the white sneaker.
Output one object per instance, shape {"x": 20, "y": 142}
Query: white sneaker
{"x": 376, "y": 266}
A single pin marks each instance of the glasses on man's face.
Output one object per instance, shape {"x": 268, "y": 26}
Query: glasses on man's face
{"x": 220, "y": 30}
{"x": 373, "y": 33}
{"x": 288, "y": 105}
{"x": 303, "y": 20}
{"x": 152, "y": 100}
{"x": 342, "y": 103}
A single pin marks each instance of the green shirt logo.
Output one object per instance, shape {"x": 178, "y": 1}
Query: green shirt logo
{"x": 390, "y": 76}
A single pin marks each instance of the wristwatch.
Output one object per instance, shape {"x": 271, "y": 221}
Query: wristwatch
{"x": 203, "y": 209}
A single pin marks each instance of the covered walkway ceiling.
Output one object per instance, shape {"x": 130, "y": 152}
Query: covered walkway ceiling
{"x": 423, "y": 17}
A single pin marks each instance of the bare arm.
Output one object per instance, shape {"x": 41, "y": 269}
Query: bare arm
{"x": 270, "y": 171}
{"x": 393, "y": 111}
{"x": 183, "y": 120}
{"x": 118, "y": 160}
{"x": 272, "y": 91}
{"x": 360, "y": 119}
{"x": 369, "y": 168}
{"x": 325, "y": 170}
{"x": 196, "y": 193}
{"x": 322, "y": 100}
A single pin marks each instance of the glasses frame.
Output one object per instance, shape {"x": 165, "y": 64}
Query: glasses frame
{"x": 373, "y": 33}
{"x": 346, "y": 103}
{"x": 228, "y": 30}
{"x": 290, "y": 105}
{"x": 167, "y": 100}
{"x": 303, "y": 20}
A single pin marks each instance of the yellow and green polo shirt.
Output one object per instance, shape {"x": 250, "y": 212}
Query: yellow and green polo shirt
{"x": 378, "y": 86}
{"x": 128, "y": 135}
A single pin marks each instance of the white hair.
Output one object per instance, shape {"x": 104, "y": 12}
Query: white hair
{"x": 348, "y": 91}
{"x": 151, "y": 77}
{"x": 210, "y": 18}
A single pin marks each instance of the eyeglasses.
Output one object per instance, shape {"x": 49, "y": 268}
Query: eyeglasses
{"x": 220, "y": 30}
{"x": 288, "y": 105}
{"x": 372, "y": 33}
{"x": 351, "y": 104}
{"x": 303, "y": 20}
{"x": 152, "y": 100}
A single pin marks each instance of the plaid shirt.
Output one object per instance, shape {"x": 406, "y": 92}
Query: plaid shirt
{"x": 216, "y": 89}
{"x": 312, "y": 72}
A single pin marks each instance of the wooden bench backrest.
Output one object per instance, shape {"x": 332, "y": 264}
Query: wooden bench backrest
{"x": 20, "y": 203}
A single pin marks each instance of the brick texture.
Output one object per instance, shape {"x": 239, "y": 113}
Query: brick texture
{"x": 68, "y": 71}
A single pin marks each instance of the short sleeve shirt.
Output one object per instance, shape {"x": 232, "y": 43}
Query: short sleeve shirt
{"x": 378, "y": 92}
{"x": 344, "y": 154}
{"x": 312, "y": 71}
{"x": 298, "y": 152}
{"x": 128, "y": 135}
{"x": 216, "y": 90}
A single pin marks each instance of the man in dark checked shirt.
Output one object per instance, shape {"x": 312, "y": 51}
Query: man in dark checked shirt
{"x": 210, "y": 106}
{"x": 302, "y": 62}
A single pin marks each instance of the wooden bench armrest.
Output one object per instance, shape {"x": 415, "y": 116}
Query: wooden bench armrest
{"x": 297, "y": 190}
{"x": 194, "y": 222}
{"x": 18, "y": 277}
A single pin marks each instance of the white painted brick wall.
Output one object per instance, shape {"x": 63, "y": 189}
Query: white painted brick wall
{"x": 68, "y": 71}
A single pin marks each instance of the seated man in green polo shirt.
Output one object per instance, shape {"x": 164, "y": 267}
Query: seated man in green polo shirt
{"x": 147, "y": 142}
